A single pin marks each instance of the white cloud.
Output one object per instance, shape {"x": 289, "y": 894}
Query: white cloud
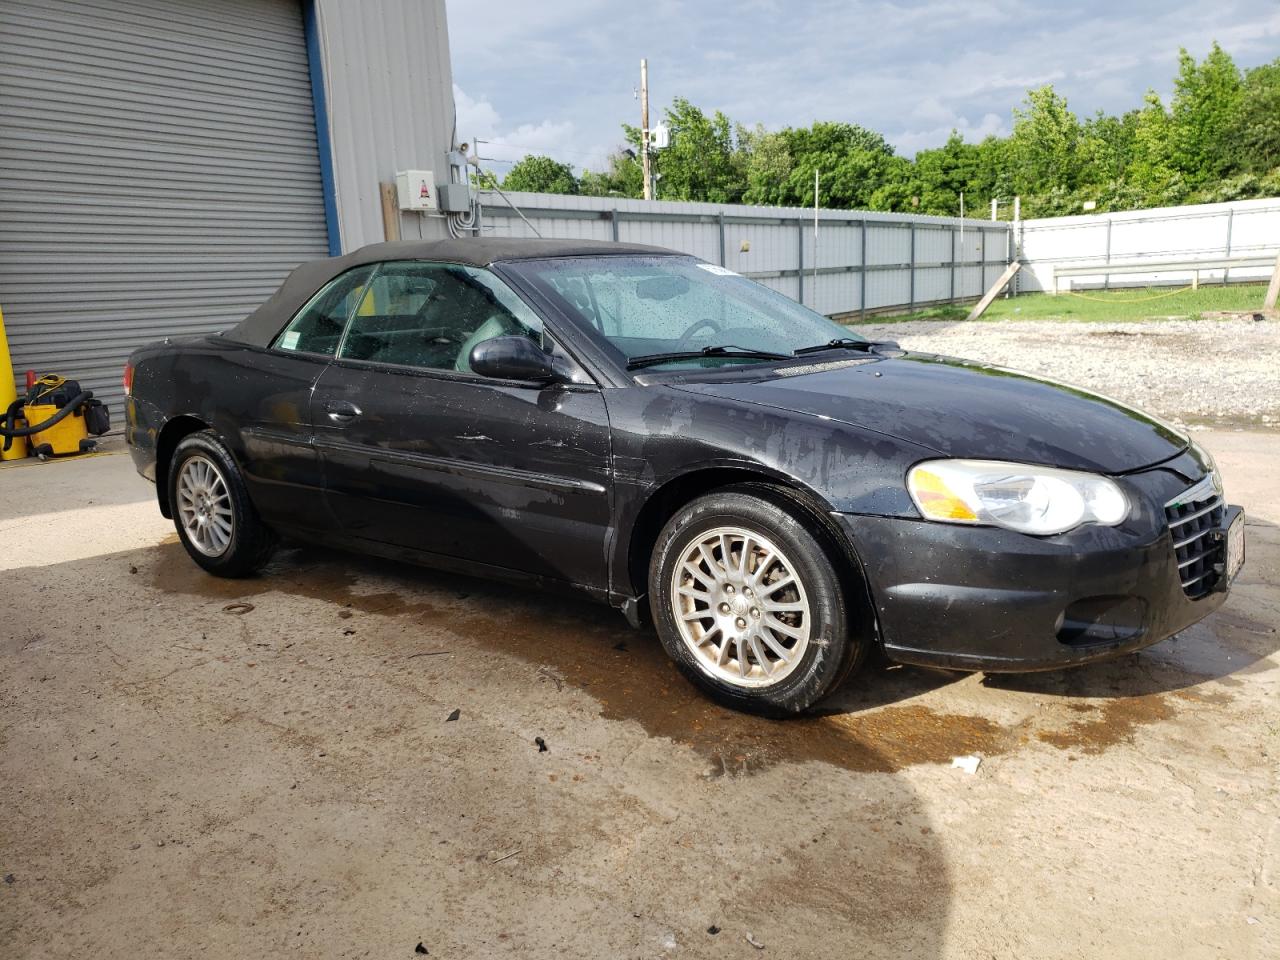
{"x": 503, "y": 145}
{"x": 475, "y": 117}
{"x": 909, "y": 141}
{"x": 559, "y": 76}
{"x": 931, "y": 109}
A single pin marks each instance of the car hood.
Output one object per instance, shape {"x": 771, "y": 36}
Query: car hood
{"x": 965, "y": 409}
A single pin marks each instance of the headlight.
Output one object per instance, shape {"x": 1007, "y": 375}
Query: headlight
{"x": 1038, "y": 500}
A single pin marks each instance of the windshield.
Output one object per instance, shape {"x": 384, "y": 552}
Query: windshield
{"x": 647, "y": 307}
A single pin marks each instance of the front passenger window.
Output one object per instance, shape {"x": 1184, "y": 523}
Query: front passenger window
{"x": 431, "y": 315}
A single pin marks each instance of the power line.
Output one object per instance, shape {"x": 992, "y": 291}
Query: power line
{"x": 521, "y": 146}
{"x": 540, "y": 150}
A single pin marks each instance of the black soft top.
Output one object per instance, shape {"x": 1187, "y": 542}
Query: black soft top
{"x": 261, "y": 326}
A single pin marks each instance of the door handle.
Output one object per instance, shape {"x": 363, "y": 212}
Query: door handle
{"x": 340, "y": 411}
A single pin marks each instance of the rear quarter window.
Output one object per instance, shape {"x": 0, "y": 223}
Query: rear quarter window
{"x": 318, "y": 326}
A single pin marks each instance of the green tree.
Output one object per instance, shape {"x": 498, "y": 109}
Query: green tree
{"x": 767, "y": 160}
{"x": 898, "y": 188}
{"x": 1151, "y": 172}
{"x": 1106, "y": 147}
{"x": 537, "y": 174}
{"x": 1045, "y": 137}
{"x": 993, "y": 176}
{"x": 1206, "y": 102}
{"x": 942, "y": 174}
{"x": 1219, "y": 139}
{"x": 622, "y": 177}
{"x": 702, "y": 161}
{"x": 1255, "y": 130}
{"x": 853, "y": 162}
{"x": 484, "y": 180}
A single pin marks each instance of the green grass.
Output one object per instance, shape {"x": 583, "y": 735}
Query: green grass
{"x": 1099, "y": 306}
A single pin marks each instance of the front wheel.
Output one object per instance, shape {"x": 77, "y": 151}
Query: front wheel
{"x": 750, "y": 605}
{"x": 214, "y": 517}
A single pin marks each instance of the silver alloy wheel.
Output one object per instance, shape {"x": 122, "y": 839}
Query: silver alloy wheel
{"x": 741, "y": 609}
{"x": 204, "y": 506}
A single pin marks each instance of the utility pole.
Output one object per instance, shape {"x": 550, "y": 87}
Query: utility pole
{"x": 644, "y": 129}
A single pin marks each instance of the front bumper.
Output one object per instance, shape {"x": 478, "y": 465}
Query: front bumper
{"x": 984, "y": 598}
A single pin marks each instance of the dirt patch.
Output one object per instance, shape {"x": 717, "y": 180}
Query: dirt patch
{"x": 590, "y": 648}
{"x": 1114, "y": 721}
{"x": 1256, "y": 316}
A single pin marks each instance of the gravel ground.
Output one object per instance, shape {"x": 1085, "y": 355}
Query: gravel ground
{"x": 1194, "y": 372}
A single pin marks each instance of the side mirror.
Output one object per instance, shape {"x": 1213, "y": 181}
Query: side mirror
{"x": 513, "y": 358}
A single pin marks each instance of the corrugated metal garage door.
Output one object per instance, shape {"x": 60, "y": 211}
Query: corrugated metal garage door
{"x": 158, "y": 173}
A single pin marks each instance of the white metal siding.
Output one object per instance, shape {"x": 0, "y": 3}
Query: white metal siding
{"x": 390, "y": 99}
{"x": 158, "y": 173}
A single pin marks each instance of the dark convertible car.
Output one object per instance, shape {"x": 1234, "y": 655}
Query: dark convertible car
{"x": 778, "y": 495}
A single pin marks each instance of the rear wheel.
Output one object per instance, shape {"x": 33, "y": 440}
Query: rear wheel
{"x": 750, "y": 605}
{"x": 212, "y": 513}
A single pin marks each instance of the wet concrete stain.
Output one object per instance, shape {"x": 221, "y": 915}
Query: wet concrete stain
{"x": 1219, "y": 698}
{"x": 1113, "y": 721}
{"x": 588, "y": 647}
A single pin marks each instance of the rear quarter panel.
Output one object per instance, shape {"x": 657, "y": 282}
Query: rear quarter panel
{"x": 147, "y": 408}
{"x": 258, "y": 402}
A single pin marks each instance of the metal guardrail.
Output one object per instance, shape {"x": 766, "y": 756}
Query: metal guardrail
{"x": 1130, "y": 218}
{"x": 1193, "y": 267}
{"x": 1183, "y": 237}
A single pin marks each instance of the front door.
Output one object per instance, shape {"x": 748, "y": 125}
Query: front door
{"x": 420, "y": 452}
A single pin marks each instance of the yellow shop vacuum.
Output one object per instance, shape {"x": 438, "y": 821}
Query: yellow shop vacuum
{"x": 56, "y": 417}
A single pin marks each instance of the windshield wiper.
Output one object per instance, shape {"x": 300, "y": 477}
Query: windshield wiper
{"x": 725, "y": 350}
{"x": 844, "y": 343}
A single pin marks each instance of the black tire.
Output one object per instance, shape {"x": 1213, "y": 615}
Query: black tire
{"x": 251, "y": 542}
{"x": 838, "y": 640}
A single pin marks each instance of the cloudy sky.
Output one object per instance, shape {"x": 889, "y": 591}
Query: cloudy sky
{"x": 558, "y": 76}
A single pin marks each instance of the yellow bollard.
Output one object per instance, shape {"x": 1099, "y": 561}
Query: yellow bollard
{"x": 8, "y": 393}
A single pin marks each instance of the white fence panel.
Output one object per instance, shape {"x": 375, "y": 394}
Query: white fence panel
{"x": 1185, "y": 235}
{"x": 864, "y": 261}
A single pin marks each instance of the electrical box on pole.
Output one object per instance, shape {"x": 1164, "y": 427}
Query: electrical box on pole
{"x": 454, "y": 195}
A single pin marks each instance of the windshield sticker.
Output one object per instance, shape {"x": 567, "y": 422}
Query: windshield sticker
{"x": 290, "y": 340}
{"x": 718, "y": 271}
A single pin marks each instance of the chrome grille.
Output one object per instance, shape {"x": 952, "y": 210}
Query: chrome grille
{"x": 1195, "y": 518}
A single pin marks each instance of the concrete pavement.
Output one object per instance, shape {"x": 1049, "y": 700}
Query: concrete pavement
{"x": 185, "y": 777}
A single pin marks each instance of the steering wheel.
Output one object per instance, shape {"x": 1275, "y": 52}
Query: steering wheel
{"x": 687, "y": 337}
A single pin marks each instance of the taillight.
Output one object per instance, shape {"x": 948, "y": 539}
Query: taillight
{"x": 128, "y": 379}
